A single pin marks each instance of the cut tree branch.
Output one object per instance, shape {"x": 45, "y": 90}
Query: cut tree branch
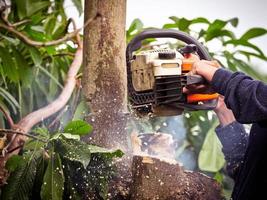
{"x": 10, "y": 28}
{"x": 35, "y": 117}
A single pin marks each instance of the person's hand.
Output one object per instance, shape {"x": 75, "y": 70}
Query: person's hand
{"x": 205, "y": 68}
{"x": 224, "y": 114}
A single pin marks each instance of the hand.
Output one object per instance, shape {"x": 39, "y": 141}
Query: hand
{"x": 224, "y": 114}
{"x": 205, "y": 68}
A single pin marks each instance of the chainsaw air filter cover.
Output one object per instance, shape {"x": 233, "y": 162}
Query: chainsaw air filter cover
{"x": 156, "y": 77}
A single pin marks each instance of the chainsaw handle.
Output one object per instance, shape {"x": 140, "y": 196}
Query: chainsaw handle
{"x": 136, "y": 43}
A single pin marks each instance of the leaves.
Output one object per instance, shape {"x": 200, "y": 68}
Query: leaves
{"x": 73, "y": 150}
{"x": 13, "y": 162}
{"x": 253, "y": 32}
{"x": 78, "y": 127}
{"x": 21, "y": 181}
{"x": 9, "y": 66}
{"x": 27, "y": 8}
{"x": 53, "y": 183}
{"x": 10, "y": 99}
{"x": 135, "y": 28}
{"x": 211, "y": 158}
{"x": 244, "y": 43}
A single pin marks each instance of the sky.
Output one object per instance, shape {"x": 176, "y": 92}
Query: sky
{"x": 251, "y": 13}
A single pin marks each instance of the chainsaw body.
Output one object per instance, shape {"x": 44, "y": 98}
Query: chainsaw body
{"x": 156, "y": 78}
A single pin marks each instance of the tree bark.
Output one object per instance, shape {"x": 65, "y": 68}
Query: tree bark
{"x": 104, "y": 73}
{"x": 104, "y": 83}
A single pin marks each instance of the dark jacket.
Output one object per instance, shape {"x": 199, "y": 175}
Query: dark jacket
{"x": 247, "y": 98}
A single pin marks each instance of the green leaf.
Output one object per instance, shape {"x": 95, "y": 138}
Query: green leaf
{"x": 73, "y": 150}
{"x": 40, "y": 172}
{"x": 10, "y": 99}
{"x": 9, "y": 66}
{"x": 106, "y": 152}
{"x": 21, "y": 8}
{"x": 211, "y": 158}
{"x": 78, "y": 127}
{"x": 24, "y": 70}
{"x": 60, "y": 30}
{"x": 78, "y": 5}
{"x": 215, "y": 30}
{"x": 218, "y": 177}
{"x": 167, "y": 26}
{"x": 184, "y": 24}
{"x": 218, "y": 33}
{"x": 200, "y": 20}
{"x": 27, "y": 8}
{"x": 35, "y": 55}
{"x": 21, "y": 181}
{"x": 252, "y": 33}
{"x": 249, "y": 54}
{"x": 53, "y": 182}
{"x": 233, "y": 21}
{"x": 49, "y": 25}
{"x": 66, "y": 135}
{"x": 244, "y": 43}
{"x": 13, "y": 41}
{"x": 243, "y": 66}
{"x": 136, "y": 25}
{"x": 217, "y": 24}
{"x": 33, "y": 6}
{"x": 13, "y": 162}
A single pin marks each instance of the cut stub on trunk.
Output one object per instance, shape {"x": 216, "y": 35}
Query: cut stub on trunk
{"x": 157, "y": 179}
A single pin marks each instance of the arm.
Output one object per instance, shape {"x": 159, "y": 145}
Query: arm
{"x": 247, "y": 98}
{"x": 233, "y": 137}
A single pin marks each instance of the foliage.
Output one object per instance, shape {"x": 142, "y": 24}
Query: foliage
{"x": 63, "y": 166}
{"x": 32, "y": 77}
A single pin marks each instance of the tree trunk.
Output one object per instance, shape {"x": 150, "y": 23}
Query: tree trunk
{"x": 104, "y": 72}
{"x": 157, "y": 179}
{"x": 104, "y": 83}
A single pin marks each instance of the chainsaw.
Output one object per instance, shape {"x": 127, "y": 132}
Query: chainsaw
{"x": 156, "y": 78}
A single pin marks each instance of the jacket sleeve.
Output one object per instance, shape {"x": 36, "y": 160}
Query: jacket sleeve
{"x": 234, "y": 140}
{"x": 247, "y": 98}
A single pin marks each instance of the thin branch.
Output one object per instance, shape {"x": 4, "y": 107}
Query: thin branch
{"x": 31, "y": 42}
{"x": 7, "y": 116}
{"x": 14, "y": 132}
{"x": 15, "y": 148}
{"x": 21, "y": 22}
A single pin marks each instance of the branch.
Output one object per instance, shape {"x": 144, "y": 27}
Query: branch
{"x": 31, "y": 42}
{"x": 26, "y": 123}
{"x": 11, "y": 131}
{"x": 8, "y": 117}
